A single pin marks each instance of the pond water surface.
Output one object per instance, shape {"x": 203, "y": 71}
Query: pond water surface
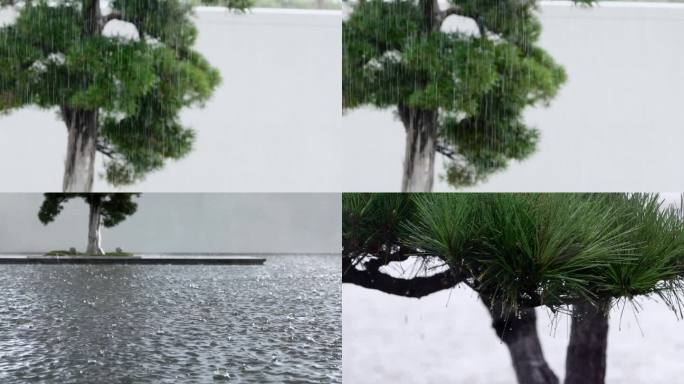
{"x": 280, "y": 322}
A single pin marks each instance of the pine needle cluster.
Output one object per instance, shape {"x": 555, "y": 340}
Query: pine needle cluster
{"x": 527, "y": 250}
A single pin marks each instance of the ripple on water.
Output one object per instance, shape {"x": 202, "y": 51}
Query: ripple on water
{"x": 280, "y": 323}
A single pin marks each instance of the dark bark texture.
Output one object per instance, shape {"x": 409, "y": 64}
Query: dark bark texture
{"x": 415, "y": 287}
{"x": 519, "y": 333}
{"x": 586, "y": 356}
{"x": 431, "y": 14}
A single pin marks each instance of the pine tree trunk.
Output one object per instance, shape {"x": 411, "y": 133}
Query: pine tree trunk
{"x": 94, "y": 224}
{"x": 519, "y": 333}
{"x": 586, "y": 356}
{"x": 430, "y": 11}
{"x": 82, "y": 125}
{"x": 421, "y": 125}
{"x": 421, "y": 145}
{"x": 79, "y": 167}
{"x": 92, "y": 15}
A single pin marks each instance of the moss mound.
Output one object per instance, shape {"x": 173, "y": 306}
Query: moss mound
{"x": 62, "y": 252}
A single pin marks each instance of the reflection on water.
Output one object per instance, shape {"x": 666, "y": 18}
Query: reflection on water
{"x": 280, "y": 322}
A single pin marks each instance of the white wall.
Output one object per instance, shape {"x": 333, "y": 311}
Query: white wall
{"x": 174, "y": 222}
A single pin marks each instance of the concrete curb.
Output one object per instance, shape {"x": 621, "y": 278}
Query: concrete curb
{"x": 145, "y": 259}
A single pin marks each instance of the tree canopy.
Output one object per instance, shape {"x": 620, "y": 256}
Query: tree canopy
{"x": 400, "y": 54}
{"x": 522, "y": 250}
{"x": 114, "y": 207}
{"x": 58, "y": 54}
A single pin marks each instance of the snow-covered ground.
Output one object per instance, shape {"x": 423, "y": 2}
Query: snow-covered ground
{"x": 616, "y": 125}
{"x": 446, "y": 338}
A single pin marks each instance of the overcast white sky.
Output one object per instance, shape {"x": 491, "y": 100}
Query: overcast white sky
{"x": 184, "y": 223}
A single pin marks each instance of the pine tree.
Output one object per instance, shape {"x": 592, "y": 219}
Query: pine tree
{"x": 108, "y": 209}
{"x": 120, "y": 97}
{"x": 572, "y": 253}
{"x": 457, "y": 93}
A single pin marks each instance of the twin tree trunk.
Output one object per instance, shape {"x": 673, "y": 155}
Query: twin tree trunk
{"x": 421, "y": 146}
{"x": 94, "y": 225}
{"x": 519, "y": 333}
{"x": 586, "y": 353}
{"x": 586, "y": 357}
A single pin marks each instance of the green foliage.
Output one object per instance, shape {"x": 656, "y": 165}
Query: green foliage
{"x": 657, "y": 252}
{"x": 62, "y": 252}
{"x": 395, "y": 55}
{"x": 238, "y": 5}
{"x": 114, "y": 207}
{"x": 136, "y": 154}
{"x": 73, "y": 252}
{"x": 52, "y": 206}
{"x": 167, "y": 21}
{"x": 548, "y": 249}
{"x": 49, "y": 58}
{"x": 373, "y": 224}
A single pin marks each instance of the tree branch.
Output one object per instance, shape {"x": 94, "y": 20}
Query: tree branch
{"x": 371, "y": 277}
{"x": 105, "y": 148}
{"x": 445, "y": 150}
{"x": 442, "y": 15}
{"x": 114, "y": 15}
{"x": 92, "y": 15}
{"x": 481, "y": 27}
{"x": 416, "y": 287}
